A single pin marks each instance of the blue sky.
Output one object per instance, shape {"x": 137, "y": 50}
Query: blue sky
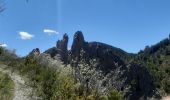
{"x": 126, "y": 24}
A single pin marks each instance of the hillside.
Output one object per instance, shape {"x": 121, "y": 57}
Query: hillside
{"x": 94, "y": 71}
{"x": 129, "y": 77}
{"x": 157, "y": 60}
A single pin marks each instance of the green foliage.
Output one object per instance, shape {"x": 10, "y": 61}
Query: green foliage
{"x": 157, "y": 60}
{"x": 1, "y": 50}
{"x": 6, "y": 87}
{"x": 64, "y": 86}
{"x": 53, "y": 81}
{"x": 166, "y": 84}
{"x": 115, "y": 95}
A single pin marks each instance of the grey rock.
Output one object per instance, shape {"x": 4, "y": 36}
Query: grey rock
{"x": 52, "y": 51}
{"x": 107, "y": 55}
{"x": 78, "y": 44}
{"x": 60, "y": 50}
{"x": 35, "y": 52}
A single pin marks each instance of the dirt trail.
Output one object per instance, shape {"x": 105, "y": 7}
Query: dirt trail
{"x": 21, "y": 90}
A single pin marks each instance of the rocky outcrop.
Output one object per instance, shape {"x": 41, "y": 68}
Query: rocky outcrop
{"x": 52, "y": 51}
{"x": 107, "y": 56}
{"x": 35, "y": 52}
{"x": 131, "y": 78}
{"x": 62, "y": 44}
{"x": 60, "y": 50}
{"x": 78, "y": 44}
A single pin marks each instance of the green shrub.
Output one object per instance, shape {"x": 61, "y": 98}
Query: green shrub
{"x": 115, "y": 95}
{"x": 6, "y": 87}
{"x": 166, "y": 85}
{"x": 1, "y": 50}
{"x": 53, "y": 81}
{"x": 64, "y": 85}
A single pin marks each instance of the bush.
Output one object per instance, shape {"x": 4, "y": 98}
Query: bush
{"x": 115, "y": 95}
{"x": 64, "y": 86}
{"x": 55, "y": 81}
{"x": 166, "y": 85}
{"x": 6, "y": 87}
{"x": 1, "y": 50}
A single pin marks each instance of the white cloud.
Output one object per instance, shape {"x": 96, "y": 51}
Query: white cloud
{"x": 25, "y": 35}
{"x": 3, "y": 45}
{"x": 50, "y": 32}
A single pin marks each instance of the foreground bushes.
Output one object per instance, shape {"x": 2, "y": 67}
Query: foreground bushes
{"x": 6, "y": 87}
{"x": 54, "y": 81}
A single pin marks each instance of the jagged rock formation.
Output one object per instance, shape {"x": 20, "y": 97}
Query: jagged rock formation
{"x": 108, "y": 57}
{"x": 131, "y": 78}
{"x": 52, "y": 52}
{"x": 35, "y": 52}
{"x": 60, "y": 50}
{"x": 78, "y": 44}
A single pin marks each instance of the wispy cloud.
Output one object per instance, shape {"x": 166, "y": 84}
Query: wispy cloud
{"x": 25, "y": 35}
{"x": 50, "y": 32}
{"x": 3, "y": 45}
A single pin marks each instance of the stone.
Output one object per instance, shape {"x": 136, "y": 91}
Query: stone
{"x": 60, "y": 50}
{"x": 52, "y": 52}
{"x": 106, "y": 54}
{"x": 78, "y": 44}
{"x": 62, "y": 44}
{"x": 35, "y": 52}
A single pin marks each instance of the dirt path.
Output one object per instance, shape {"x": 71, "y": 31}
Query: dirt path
{"x": 21, "y": 90}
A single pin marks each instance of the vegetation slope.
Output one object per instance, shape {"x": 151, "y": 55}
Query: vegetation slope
{"x": 6, "y": 87}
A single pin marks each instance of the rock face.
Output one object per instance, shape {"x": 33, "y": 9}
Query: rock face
{"x": 35, "y": 52}
{"x": 60, "y": 50}
{"x": 62, "y": 44}
{"x": 78, "y": 44}
{"x": 106, "y": 55}
{"x": 52, "y": 51}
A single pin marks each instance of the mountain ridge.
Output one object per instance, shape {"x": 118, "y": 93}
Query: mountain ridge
{"x": 110, "y": 60}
